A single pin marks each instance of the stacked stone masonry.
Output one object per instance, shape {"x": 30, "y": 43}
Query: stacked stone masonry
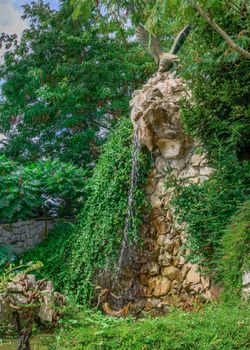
{"x": 166, "y": 278}
{"x": 24, "y": 235}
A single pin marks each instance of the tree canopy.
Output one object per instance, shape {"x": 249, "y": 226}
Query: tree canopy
{"x": 66, "y": 83}
{"x": 70, "y": 77}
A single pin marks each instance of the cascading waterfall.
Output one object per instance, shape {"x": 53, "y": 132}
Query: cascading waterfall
{"x": 133, "y": 184}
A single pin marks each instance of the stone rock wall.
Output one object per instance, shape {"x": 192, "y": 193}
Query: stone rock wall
{"x": 24, "y": 235}
{"x": 165, "y": 277}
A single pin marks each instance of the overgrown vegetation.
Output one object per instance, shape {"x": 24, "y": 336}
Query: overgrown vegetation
{"x": 95, "y": 243}
{"x": 67, "y": 84}
{"x": 208, "y": 208}
{"x": 55, "y": 252}
{"x": 218, "y": 115}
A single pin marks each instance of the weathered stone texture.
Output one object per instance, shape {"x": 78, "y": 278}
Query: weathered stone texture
{"x": 23, "y": 295}
{"x": 167, "y": 278}
{"x": 24, "y": 235}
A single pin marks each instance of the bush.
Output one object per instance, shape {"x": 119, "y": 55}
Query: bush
{"x": 39, "y": 189}
{"x": 208, "y": 208}
{"x": 54, "y": 252}
{"x": 218, "y": 78}
{"x": 218, "y": 115}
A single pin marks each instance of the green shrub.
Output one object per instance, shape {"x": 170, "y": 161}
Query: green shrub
{"x": 219, "y": 80}
{"x": 38, "y": 189}
{"x": 218, "y": 115}
{"x": 54, "y": 252}
{"x": 235, "y": 251}
{"x": 208, "y": 208}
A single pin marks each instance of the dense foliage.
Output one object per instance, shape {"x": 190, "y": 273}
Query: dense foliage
{"x": 66, "y": 83}
{"x": 207, "y": 209}
{"x": 54, "y": 252}
{"x": 214, "y": 328}
{"x": 7, "y": 256}
{"x": 219, "y": 79}
{"x": 98, "y": 238}
{"x": 95, "y": 243}
{"x": 40, "y": 189}
{"x": 218, "y": 114}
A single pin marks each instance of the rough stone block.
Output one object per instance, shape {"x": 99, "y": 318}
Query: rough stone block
{"x": 158, "y": 286}
{"x": 18, "y": 224}
{"x": 206, "y": 171}
{"x": 172, "y": 273}
{"x": 170, "y": 148}
{"x": 193, "y": 276}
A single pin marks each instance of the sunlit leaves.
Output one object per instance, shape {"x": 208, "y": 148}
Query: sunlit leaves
{"x": 82, "y": 8}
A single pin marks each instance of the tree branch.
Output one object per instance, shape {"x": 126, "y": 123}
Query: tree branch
{"x": 219, "y": 30}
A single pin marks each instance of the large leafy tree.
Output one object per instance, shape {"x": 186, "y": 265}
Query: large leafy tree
{"x": 66, "y": 82}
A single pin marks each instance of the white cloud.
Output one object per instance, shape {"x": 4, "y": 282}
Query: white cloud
{"x": 10, "y": 19}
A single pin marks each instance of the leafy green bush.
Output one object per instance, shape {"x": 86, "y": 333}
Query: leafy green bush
{"x": 217, "y": 327}
{"x": 54, "y": 252}
{"x": 235, "y": 251}
{"x": 219, "y": 79}
{"x": 43, "y": 188}
{"x": 207, "y": 209}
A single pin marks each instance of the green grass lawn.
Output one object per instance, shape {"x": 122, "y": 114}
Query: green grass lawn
{"x": 216, "y": 327}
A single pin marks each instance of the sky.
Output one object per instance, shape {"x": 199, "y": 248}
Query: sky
{"x": 10, "y": 16}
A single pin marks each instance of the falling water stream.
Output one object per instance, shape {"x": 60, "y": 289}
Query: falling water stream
{"x": 124, "y": 253}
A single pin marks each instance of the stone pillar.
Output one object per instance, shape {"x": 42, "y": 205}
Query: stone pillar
{"x": 166, "y": 278}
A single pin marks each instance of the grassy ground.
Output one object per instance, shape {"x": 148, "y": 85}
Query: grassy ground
{"x": 216, "y": 327}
